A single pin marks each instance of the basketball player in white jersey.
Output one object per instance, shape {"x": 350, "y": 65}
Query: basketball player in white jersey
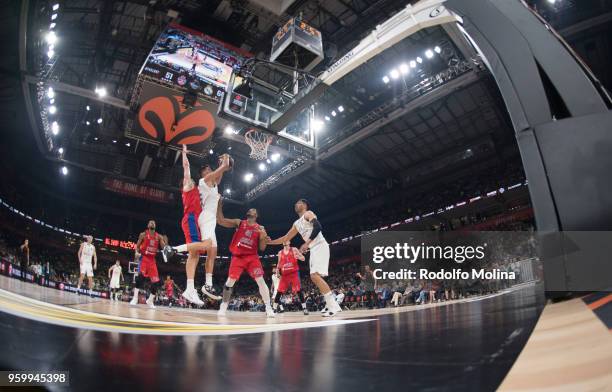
{"x": 309, "y": 228}
{"x": 207, "y": 221}
{"x": 87, "y": 253}
{"x": 115, "y": 275}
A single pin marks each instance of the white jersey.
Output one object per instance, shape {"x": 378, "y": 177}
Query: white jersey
{"x": 305, "y": 227}
{"x": 116, "y": 272}
{"x": 209, "y": 197}
{"x": 87, "y": 252}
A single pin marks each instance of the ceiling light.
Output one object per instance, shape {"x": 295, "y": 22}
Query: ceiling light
{"x": 404, "y": 68}
{"x": 52, "y": 25}
{"x": 412, "y": 64}
{"x": 61, "y": 150}
{"x": 385, "y": 79}
{"x": 248, "y": 177}
{"x": 268, "y": 161}
{"x": 419, "y": 60}
{"x": 127, "y": 144}
{"x": 429, "y": 53}
{"x": 52, "y": 101}
{"x": 438, "y": 49}
{"x": 55, "y": 6}
{"x": 394, "y": 74}
{"x": 52, "y": 109}
{"x": 340, "y": 108}
{"x": 262, "y": 166}
{"x": 317, "y": 125}
{"x": 87, "y": 108}
{"x": 54, "y": 127}
{"x": 96, "y": 138}
{"x": 54, "y": 16}
{"x": 87, "y": 122}
{"x": 114, "y": 141}
{"x": 228, "y": 191}
{"x": 101, "y": 91}
{"x": 64, "y": 170}
{"x": 51, "y": 38}
{"x": 327, "y": 118}
{"x": 211, "y": 151}
{"x": 50, "y": 92}
{"x": 333, "y": 113}
{"x": 99, "y": 121}
{"x": 229, "y": 129}
{"x": 275, "y": 157}
{"x": 50, "y": 53}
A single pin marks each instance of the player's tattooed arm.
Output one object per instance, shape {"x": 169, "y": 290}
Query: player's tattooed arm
{"x": 287, "y": 237}
{"x": 222, "y": 220}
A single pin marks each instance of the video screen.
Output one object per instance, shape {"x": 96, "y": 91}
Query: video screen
{"x": 189, "y": 58}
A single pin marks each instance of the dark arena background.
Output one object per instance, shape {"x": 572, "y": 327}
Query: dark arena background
{"x": 360, "y": 131}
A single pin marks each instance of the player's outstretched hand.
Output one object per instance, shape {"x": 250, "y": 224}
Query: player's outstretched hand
{"x": 304, "y": 248}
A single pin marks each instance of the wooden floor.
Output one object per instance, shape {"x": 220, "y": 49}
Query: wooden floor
{"x": 569, "y": 350}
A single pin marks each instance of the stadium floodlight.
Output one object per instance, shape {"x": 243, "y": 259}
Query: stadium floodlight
{"x": 385, "y": 79}
{"x": 429, "y": 53}
{"x": 552, "y": 1}
{"x": 127, "y": 144}
{"x": 412, "y": 64}
{"x": 52, "y": 109}
{"x": 50, "y": 53}
{"x": 394, "y": 73}
{"x": 101, "y": 91}
{"x": 211, "y": 151}
{"x": 268, "y": 161}
{"x": 262, "y": 166}
{"x": 327, "y": 118}
{"x": 64, "y": 170}
{"x": 52, "y": 101}
{"x": 55, "y": 7}
{"x": 228, "y": 191}
{"x": 51, "y": 37}
{"x": 54, "y": 16}
{"x": 99, "y": 120}
{"x": 96, "y": 138}
{"x": 333, "y": 113}
{"x": 114, "y": 141}
{"x": 340, "y": 108}
{"x": 419, "y": 60}
{"x": 52, "y": 26}
{"x": 275, "y": 157}
{"x": 87, "y": 108}
{"x": 87, "y": 122}
{"x": 54, "y": 127}
{"x": 61, "y": 150}
{"x": 317, "y": 125}
{"x": 438, "y": 49}
{"x": 248, "y": 177}
{"x": 404, "y": 68}
{"x": 229, "y": 129}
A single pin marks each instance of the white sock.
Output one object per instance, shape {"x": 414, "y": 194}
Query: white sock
{"x": 263, "y": 291}
{"x": 282, "y": 307}
{"x": 181, "y": 248}
{"x": 190, "y": 284}
{"x": 303, "y": 305}
{"x": 136, "y": 293}
{"x": 329, "y": 300}
{"x": 209, "y": 281}
{"x": 151, "y": 297}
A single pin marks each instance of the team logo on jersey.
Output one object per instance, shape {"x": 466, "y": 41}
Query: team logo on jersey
{"x": 248, "y": 233}
{"x": 168, "y": 120}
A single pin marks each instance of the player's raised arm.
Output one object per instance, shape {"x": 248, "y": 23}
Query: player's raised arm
{"x": 263, "y": 238}
{"x": 187, "y": 182}
{"x": 287, "y": 237}
{"x": 222, "y": 220}
{"x": 216, "y": 175}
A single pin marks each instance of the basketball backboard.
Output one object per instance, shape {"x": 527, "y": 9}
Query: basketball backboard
{"x": 258, "y": 99}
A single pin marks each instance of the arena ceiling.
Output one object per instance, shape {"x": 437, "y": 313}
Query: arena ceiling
{"x": 105, "y": 44}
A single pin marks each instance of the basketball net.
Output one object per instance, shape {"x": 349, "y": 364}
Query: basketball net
{"x": 259, "y": 143}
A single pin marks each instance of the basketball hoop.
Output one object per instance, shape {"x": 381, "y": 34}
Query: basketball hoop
{"x": 259, "y": 143}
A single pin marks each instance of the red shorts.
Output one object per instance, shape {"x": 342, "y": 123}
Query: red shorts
{"x": 190, "y": 228}
{"x": 148, "y": 268}
{"x": 250, "y": 263}
{"x": 292, "y": 279}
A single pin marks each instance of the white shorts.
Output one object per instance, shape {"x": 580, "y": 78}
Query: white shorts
{"x": 114, "y": 283}
{"x": 207, "y": 226}
{"x": 87, "y": 269}
{"x": 319, "y": 259}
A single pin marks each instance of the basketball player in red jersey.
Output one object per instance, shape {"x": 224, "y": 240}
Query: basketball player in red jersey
{"x": 290, "y": 274}
{"x": 248, "y": 238}
{"x": 192, "y": 208}
{"x": 149, "y": 242}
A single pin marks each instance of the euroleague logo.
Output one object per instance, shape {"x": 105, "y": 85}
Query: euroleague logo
{"x": 167, "y": 120}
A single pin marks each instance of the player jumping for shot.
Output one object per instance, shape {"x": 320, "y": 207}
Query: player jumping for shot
{"x": 248, "y": 238}
{"x": 207, "y": 220}
{"x": 310, "y": 229}
{"x": 192, "y": 209}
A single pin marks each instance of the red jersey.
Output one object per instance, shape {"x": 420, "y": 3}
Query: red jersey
{"x": 245, "y": 240}
{"x": 150, "y": 244}
{"x": 288, "y": 262}
{"x": 191, "y": 202}
{"x": 169, "y": 288}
